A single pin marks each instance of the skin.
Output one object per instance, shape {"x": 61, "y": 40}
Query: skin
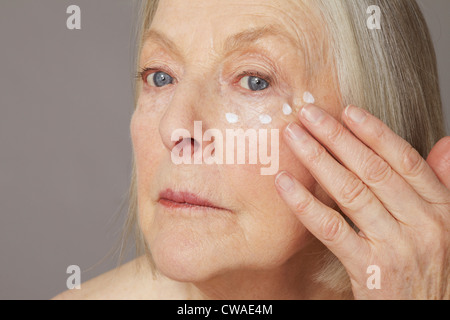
{"x": 268, "y": 241}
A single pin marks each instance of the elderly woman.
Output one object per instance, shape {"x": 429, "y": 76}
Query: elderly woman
{"x": 353, "y": 209}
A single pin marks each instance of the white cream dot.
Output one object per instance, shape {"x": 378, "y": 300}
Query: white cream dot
{"x": 265, "y": 119}
{"x": 308, "y": 97}
{"x": 232, "y": 118}
{"x": 287, "y": 110}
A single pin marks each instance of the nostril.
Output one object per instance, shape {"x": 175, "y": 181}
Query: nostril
{"x": 194, "y": 145}
{"x": 188, "y": 144}
{"x": 213, "y": 152}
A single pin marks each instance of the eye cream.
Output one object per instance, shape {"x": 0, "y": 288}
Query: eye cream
{"x": 308, "y": 97}
{"x": 232, "y": 118}
{"x": 287, "y": 110}
{"x": 265, "y": 119}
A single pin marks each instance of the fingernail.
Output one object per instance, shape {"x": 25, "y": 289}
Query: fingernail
{"x": 285, "y": 181}
{"x": 295, "y": 132}
{"x": 312, "y": 113}
{"x": 355, "y": 114}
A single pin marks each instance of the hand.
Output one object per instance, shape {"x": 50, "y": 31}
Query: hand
{"x": 393, "y": 196}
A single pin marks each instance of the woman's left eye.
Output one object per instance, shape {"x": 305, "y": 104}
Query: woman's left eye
{"x": 254, "y": 83}
{"x": 159, "y": 79}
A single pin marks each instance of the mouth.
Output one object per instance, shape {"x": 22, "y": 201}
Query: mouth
{"x": 185, "y": 200}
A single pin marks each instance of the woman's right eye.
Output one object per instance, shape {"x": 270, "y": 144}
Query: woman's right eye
{"x": 158, "y": 79}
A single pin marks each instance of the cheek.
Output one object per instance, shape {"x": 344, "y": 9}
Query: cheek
{"x": 146, "y": 143}
{"x": 271, "y": 233}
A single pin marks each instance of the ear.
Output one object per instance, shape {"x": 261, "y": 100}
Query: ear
{"x": 439, "y": 160}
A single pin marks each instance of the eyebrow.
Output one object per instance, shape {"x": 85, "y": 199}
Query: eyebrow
{"x": 233, "y": 43}
{"x": 246, "y": 38}
{"x": 161, "y": 39}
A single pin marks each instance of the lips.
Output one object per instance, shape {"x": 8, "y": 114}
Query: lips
{"x": 181, "y": 199}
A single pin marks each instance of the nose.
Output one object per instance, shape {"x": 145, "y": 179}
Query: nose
{"x": 177, "y": 126}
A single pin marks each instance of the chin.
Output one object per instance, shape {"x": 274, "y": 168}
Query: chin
{"x": 183, "y": 259}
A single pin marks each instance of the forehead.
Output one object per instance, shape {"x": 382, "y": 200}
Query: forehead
{"x": 213, "y": 21}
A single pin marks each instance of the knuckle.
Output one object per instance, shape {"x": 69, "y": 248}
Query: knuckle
{"x": 412, "y": 161}
{"x": 336, "y": 135}
{"x": 303, "y": 206}
{"x": 353, "y": 190}
{"x": 316, "y": 154}
{"x": 379, "y": 130}
{"x": 331, "y": 227}
{"x": 377, "y": 170}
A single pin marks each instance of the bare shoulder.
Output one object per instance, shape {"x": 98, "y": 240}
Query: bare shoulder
{"x": 131, "y": 281}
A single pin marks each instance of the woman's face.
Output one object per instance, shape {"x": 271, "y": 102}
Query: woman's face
{"x": 215, "y": 61}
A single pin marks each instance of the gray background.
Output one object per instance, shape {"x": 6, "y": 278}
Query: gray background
{"x": 65, "y": 154}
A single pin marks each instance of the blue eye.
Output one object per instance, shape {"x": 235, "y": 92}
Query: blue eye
{"x": 254, "y": 83}
{"x": 159, "y": 79}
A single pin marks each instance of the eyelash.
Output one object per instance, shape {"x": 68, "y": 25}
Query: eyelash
{"x": 145, "y": 71}
{"x": 142, "y": 75}
{"x": 255, "y": 74}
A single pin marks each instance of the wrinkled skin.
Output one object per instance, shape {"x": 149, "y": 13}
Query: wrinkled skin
{"x": 265, "y": 244}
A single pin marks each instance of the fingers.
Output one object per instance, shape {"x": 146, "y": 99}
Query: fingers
{"x": 349, "y": 192}
{"x": 324, "y": 223}
{"x": 439, "y": 161}
{"x": 400, "y": 155}
{"x": 373, "y": 170}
